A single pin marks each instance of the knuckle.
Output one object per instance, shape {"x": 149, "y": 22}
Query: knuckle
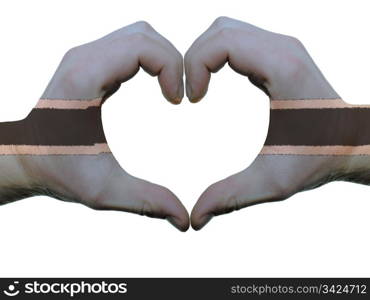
{"x": 177, "y": 61}
{"x": 233, "y": 203}
{"x": 284, "y": 191}
{"x": 221, "y": 21}
{"x": 146, "y": 209}
{"x": 93, "y": 200}
{"x": 227, "y": 205}
{"x": 179, "y": 57}
{"x": 73, "y": 59}
{"x": 139, "y": 32}
{"x": 293, "y": 41}
{"x": 72, "y": 53}
{"x": 143, "y": 26}
{"x": 175, "y": 57}
{"x": 224, "y": 27}
{"x": 187, "y": 57}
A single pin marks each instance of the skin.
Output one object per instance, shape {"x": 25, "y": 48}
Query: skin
{"x": 281, "y": 67}
{"x": 277, "y": 64}
{"x": 95, "y": 70}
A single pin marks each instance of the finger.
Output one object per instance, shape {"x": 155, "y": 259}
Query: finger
{"x": 160, "y": 61}
{"x": 269, "y": 178}
{"x": 127, "y": 193}
{"x": 139, "y": 45}
{"x": 227, "y": 40}
{"x": 208, "y": 54}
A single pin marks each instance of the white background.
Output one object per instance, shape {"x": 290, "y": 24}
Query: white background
{"x": 324, "y": 232}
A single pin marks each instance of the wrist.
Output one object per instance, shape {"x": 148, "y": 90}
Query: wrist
{"x": 330, "y": 128}
{"x": 351, "y": 160}
{"x": 15, "y": 181}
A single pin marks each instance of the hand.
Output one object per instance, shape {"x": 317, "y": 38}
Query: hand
{"x": 60, "y": 149}
{"x": 314, "y": 136}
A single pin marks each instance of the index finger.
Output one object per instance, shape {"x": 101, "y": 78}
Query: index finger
{"x": 240, "y": 44}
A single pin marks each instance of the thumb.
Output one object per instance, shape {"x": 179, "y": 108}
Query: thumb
{"x": 130, "y": 194}
{"x": 267, "y": 179}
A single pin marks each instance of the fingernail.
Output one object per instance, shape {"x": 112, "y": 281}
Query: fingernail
{"x": 195, "y": 100}
{"x": 180, "y": 90}
{"x": 202, "y": 222}
{"x": 188, "y": 90}
{"x": 176, "y": 101}
{"x": 177, "y": 223}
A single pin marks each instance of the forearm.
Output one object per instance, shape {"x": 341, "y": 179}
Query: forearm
{"x": 323, "y": 127}
{"x": 15, "y": 180}
{"x": 53, "y": 128}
